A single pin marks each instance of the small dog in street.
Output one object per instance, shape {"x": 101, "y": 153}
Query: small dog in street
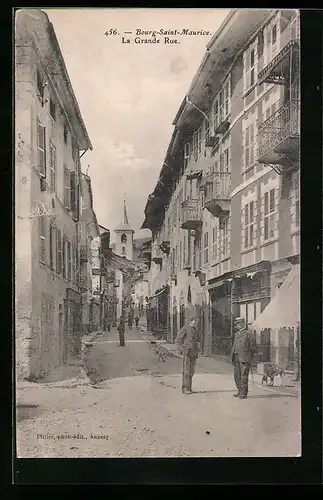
{"x": 272, "y": 371}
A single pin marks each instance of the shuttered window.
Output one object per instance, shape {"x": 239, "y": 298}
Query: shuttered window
{"x": 187, "y": 152}
{"x": 59, "y": 255}
{"x": 42, "y": 238}
{"x": 206, "y": 248}
{"x": 41, "y": 147}
{"x": 269, "y": 214}
{"x": 74, "y": 264}
{"x": 195, "y": 146}
{"x": 207, "y": 130}
{"x": 214, "y": 242}
{"x": 52, "y": 245}
{"x": 225, "y": 236}
{"x": 67, "y": 188}
{"x": 64, "y": 257}
{"x": 73, "y": 192}
{"x": 199, "y": 140}
{"x": 53, "y": 166}
{"x": 69, "y": 261}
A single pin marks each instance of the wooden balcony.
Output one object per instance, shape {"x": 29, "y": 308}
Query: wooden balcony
{"x": 279, "y": 137}
{"x": 217, "y": 187}
{"x": 191, "y": 214}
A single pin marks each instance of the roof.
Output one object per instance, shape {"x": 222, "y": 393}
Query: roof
{"x": 124, "y": 225}
{"x": 40, "y": 30}
{"x": 283, "y": 311}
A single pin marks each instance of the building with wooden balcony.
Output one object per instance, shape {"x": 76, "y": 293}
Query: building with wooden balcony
{"x": 227, "y": 196}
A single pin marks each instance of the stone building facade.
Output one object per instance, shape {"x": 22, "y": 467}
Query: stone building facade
{"x": 225, "y": 212}
{"x": 50, "y": 136}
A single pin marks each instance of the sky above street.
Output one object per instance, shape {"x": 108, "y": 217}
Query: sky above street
{"x": 128, "y": 95}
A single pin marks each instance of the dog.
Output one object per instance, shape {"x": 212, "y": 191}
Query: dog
{"x": 272, "y": 371}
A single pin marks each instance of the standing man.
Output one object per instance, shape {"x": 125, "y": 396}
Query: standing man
{"x": 243, "y": 353}
{"x": 137, "y": 321}
{"x": 121, "y": 330}
{"x": 188, "y": 343}
{"x": 130, "y": 319}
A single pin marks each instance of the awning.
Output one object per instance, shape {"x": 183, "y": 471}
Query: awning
{"x": 160, "y": 292}
{"x": 283, "y": 311}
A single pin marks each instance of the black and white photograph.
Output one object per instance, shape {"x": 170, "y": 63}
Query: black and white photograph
{"x": 157, "y": 233}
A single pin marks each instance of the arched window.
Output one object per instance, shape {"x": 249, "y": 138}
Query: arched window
{"x": 123, "y": 250}
{"x": 123, "y": 238}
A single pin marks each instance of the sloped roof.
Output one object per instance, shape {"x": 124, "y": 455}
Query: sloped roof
{"x": 283, "y": 311}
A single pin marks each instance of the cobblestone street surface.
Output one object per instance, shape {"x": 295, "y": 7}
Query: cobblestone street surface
{"x": 132, "y": 406}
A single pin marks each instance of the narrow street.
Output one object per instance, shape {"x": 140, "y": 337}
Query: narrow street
{"x": 134, "y": 407}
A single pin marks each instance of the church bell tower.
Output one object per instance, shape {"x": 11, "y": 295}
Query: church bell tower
{"x": 124, "y": 236}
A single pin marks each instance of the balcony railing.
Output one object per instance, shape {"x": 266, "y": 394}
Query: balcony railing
{"x": 279, "y": 134}
{"x": 191, "y": 214}
{"x": 278, "y": 69}
{"x": 217, "y": 187}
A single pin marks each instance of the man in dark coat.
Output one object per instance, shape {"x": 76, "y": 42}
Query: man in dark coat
{"x": 243, "y": 354}
{"x": 130, "y": 320}
{"x": 121, "y": 330}
{"x": 188, "y": 343}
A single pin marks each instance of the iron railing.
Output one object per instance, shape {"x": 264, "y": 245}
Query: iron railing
{"x": 191, "y": 210}
{"x": 281, "y": 125}
{"x": 217, "y": 186}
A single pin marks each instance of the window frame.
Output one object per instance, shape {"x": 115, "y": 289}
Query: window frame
{"x": 52, "y": 108}
{"x": 206, "y": 248}
{"x": 67, "y": 188}
{"x": 42, "y": 238}
{"x": 249, "y": 230}
{"x": 53, "y": 166}
{"x": 269, "y": 215}
{"x": 41, "y": 149}
{"x": 187, "y": 154}
{"x": 59, "y": 251}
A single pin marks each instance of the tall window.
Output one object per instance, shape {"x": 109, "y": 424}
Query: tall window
{"x": 52, "y": 245}
{"x": 250, "y": 145}
{"x": 74, "y": 263}
{"x": 52, "y": 108}
{"x": 184, "y": 251}
{"x": 64, "y": 255}
{"x": 206, "y": 248}
{"x": 67, "y": 188}
{"x": 42, "y": 238}
{"x": 199, "y": 140}
{"x": 227, "y": 99}
{"x": 221, "y": 105}
{"x": 250, "y": 66}
{"x": 269, "y": 214}
{"x": 41, "y": 148}
{"x": 69, "y": 261}
{"x": 195, "y": 146}
{"x": 187, "y": 151}
{"x": 216, "y": 114}
{"x": 52, "y": 150}
{"x": 225, "y": 236}
{"x": 249, "y": 224}
{"x": 214, "y": 243}
{"x": 207, "y": 130}
{"x": 180, "y": 256}
{"x": 59, "y": 255}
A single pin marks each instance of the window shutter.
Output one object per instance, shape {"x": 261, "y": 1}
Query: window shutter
{"x": 59, "y": 251}
{"x": 73, "y": 191}
{"x": 276, "y": 211}
{"x": 262, "y": 214}
{"x": 42, "y": 237}
{"x": 242, "y": 228}
{"x": 244, "y": 72}
{"x": 67, "y": 188}
{"x": 64, "y": 267}
{"x": 52, "y": 167}
{"x": 41, "y": 144}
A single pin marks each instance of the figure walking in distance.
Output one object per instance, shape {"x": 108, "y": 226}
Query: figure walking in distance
{"x": 130, "y": 320}
{"x": 243, "y": 353}
{"x": 137, "y": 321}
{"x": 188, "y": 344}
{"x": 121, "y": 330}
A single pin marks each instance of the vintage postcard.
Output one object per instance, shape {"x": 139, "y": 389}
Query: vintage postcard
{"x": 157, "y": 244}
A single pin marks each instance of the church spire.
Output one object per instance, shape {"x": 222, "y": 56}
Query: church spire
{"x": 124, "y": 226}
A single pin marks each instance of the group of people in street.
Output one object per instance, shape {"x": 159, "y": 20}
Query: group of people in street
{"x": 243, "y": 354}
{"x": 122, "y": 326}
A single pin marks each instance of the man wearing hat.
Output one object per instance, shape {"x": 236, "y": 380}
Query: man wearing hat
{"x": 243, "y": 353}
{"x": 188, "y": 342}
